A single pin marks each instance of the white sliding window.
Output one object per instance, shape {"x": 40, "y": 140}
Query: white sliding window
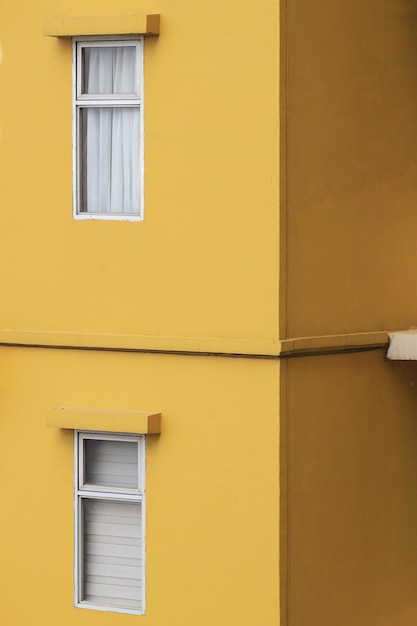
{"x": 108, "y": 129}
{"x": 109, "y": 522}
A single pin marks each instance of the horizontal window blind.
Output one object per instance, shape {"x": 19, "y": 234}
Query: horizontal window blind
{"x": 112, "y": 552}
{"x": 111, "y": 463}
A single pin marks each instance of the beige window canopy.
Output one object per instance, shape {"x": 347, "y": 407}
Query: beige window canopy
{"x": 102, "y": 25}
{"x": 104, "y": 420}
{"x": 403, "y": 345}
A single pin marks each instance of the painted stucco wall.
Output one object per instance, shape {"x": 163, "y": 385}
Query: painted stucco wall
{"x": 349, "y": 256}
{"x": 211, "y": 485}
{"x": 352, "y": 482}
{"x": 207, "y": 249}
{"x": 351, "y": 121}
{"x": 199, "y": 274}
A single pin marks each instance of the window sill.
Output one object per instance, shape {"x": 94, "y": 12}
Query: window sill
{"x": 102, "y": 420}
{"x": 101, "y": 25}
{"x": 110, "y": 217}
{"x": 109, "y": 609}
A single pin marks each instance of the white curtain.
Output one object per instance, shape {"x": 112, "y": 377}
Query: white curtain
{"x": 111, "y": 135}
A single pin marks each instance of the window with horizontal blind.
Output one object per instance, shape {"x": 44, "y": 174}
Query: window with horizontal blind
{"x": 110, "y": 522}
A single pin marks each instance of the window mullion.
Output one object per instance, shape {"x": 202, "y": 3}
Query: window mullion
{"x": 107, "y": 495}
{"x": 107, "y": 104}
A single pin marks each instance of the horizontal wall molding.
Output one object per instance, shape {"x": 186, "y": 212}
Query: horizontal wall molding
{"x": 199, "y": 346}
{"x": 106, "y": 420}
{"x": 101, "y": 25}
{"x": 330, "y": 344}
{"x": 268, "y": 348}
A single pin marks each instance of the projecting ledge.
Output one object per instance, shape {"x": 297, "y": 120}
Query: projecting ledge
{"x": 101, "y": 25}
{"x": 403, "y": 345}
{"x": 102, "y": 420}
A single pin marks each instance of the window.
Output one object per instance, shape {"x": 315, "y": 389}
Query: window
{"x": 109, "y": 522}
{"x": 108, "y": 129}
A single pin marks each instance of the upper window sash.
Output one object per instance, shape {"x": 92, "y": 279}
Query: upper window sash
{"x": 86, "y": 464}
{"x": 131, "y": 51}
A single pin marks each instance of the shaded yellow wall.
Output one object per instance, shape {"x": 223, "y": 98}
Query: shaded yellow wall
{"x": 211, "y": 479}
{"x": 349, "y": 423}
{"x": 352, "y": 481}
{"x": 204, "y": 262}
{"x": 351, "y": 126}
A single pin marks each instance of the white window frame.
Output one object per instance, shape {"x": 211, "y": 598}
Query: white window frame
{"x": 83, "y": 490}
{"x": 80, "y": 100}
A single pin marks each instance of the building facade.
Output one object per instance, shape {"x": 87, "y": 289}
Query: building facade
{"x": 207, "y": 236}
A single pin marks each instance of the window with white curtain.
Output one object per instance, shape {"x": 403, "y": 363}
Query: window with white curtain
{"x": 108, "y": 129}
{"x": 109, "y": 522}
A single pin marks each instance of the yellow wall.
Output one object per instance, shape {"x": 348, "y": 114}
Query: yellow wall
{"x": 351, "y": 121}
{"x": 352, "y": 510}
{"x": 349, "y": 116}
{"x": 211, "y": 479}
{"x": 200, "y": 272}
{"x": 204, "y": 261}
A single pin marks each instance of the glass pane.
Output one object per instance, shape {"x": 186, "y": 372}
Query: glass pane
{"x": 110, "y": 160}
{"x": 108, "y": 70}
{"x": 111, "y": 463}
